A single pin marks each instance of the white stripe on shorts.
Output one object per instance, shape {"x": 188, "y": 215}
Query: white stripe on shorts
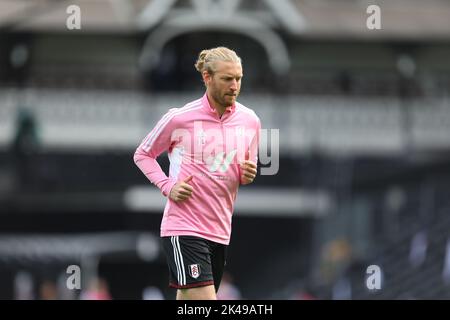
{"x": 175, "y": 254}
{"x": 183, "y": 273}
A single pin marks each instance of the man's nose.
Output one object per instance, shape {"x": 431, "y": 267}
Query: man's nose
{"x": 234, "y": 85}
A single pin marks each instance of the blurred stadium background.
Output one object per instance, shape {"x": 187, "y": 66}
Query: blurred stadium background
{"x": 364, "y": 169}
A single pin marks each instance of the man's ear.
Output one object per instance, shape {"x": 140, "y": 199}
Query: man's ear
{"x": 206, "y": 77}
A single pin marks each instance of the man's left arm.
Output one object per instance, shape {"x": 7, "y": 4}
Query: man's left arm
{"x": 249, "y": 166}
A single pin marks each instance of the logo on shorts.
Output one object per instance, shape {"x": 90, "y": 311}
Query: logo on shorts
{"x": 194, "y": 270}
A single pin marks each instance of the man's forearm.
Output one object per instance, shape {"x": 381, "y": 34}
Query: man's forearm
{"x": 152, "y": 170}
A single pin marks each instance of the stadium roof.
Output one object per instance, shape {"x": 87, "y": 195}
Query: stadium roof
{"x": 400, "y": 19}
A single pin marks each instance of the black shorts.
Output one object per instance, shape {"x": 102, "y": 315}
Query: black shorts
{"x": 193, "y": 261}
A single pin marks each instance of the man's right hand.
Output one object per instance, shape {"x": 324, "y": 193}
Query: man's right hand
{"x": 181, "y": 190}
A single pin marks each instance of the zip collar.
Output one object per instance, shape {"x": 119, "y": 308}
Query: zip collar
{"x": 205, "y": 102}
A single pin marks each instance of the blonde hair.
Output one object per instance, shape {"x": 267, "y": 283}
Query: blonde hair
{"x": 207, "y": 58}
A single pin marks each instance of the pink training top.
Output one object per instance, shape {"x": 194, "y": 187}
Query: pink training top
{"x": 210, "y": 148}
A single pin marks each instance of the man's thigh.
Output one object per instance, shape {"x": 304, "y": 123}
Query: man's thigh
{"x": 189, "y": 262}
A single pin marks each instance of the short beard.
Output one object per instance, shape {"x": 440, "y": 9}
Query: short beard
{"x": 220, "y": 100}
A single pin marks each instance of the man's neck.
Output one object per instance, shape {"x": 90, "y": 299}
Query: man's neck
{"x": 220, "y": 109}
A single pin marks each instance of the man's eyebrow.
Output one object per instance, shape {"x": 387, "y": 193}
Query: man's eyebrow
{"x": 232, "y": 76}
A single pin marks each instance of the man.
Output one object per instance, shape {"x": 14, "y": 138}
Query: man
{"x": 212, "y": 145}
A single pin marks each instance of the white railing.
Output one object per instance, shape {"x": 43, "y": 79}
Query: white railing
{"x": 73, "y": 119}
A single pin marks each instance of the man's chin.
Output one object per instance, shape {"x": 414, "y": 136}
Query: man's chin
{"x": 230, "y": 99}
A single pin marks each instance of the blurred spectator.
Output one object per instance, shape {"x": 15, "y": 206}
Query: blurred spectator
{"x": 48, "y": 290}
{"x": 98, "y": 289}
{"x": 418, "y": 250}
{"x": 25, "y": 144}
{"x": 302, "y": 292}
{"x": 336, "y": 257}
{"x": 23, "y": 286}
{"x": 303, "y": 295}
{"x": 26, "y": 139}
{"x": 446, "y": 270}
{"x": 342, "y": 289}
{"x": 228, "y": 290}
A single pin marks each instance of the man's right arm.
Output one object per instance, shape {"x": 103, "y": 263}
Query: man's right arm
{"x": 155, "y": 143}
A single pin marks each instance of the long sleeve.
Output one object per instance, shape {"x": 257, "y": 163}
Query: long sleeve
{"x": 155, "y": 143}
{"x": 254, "y": 145}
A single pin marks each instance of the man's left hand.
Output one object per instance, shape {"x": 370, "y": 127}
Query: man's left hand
{"x": 248, "y": 172}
